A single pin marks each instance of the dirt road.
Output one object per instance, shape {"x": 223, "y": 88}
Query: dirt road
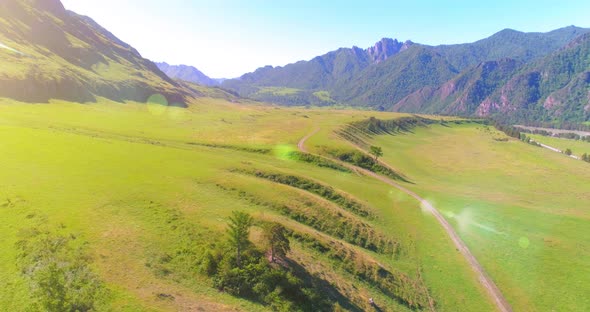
{"x": 493, "y": 291}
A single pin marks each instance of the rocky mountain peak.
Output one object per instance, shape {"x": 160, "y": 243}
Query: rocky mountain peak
{"x": 385, "y": 48}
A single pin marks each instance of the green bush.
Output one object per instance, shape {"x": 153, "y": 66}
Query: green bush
{"x": 364, "y": 161}
{"x": 324, "y": 191}
{"x": 317, "y": 160}
{"x": 330, "y": 222}
{"x": 59, "y": 273}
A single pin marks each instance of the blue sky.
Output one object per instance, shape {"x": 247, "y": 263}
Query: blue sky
{"x": 226, "y": 38}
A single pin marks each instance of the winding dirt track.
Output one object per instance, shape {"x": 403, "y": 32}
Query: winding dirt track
{"x": 493, "y": 291}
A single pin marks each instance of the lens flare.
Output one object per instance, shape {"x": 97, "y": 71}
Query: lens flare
{"x": 157, "y": 104}
{"x": 284, "y": 151}
{"x": 3, "y": 46}
{"x": 524, "y": 242}
{"x": 466, "y": 220}
{"x": 427, "y": 206}
{"x": 177, "y": 112}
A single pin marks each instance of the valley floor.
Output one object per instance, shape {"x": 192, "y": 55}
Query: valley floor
{"x": 521, "y": 209}
{"x": 146, "y": 190}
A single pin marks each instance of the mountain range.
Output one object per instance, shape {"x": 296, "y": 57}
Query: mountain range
{"x": 188, "y": 73}
{"x": 48, "y": 53}
{"x": 512, "y": 75}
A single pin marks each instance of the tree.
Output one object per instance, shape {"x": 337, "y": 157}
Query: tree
{"x": 59, "y": 273}
{"x": 376, "y": 151}
{"x": 276, "y": 240}
{"x": 239, "y": 230}
{"x": 568, "y": 152}
{"x": 586, "y": 157}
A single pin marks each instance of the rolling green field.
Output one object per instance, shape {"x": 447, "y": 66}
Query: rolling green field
{"x": 137, "y": 184}
{"x": 522, "y": 210}
{"x": 279, "y": 91}
{"x": 578, "y": 147}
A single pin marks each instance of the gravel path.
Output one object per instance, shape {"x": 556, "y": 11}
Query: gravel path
{"x": 493, "y": 291}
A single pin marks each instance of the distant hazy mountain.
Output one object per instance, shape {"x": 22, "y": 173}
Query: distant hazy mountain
{"x": 328, "y": 71}
{"x": 187, "y": 73}
{"x": 51, "y": 53}
{"x": 393, "y": 79}
{"x": 449, "y": 79}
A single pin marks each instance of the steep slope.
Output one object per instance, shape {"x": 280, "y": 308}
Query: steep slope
{"x": 57, "y": 54}
{"x": 462, "y": 94}
{"x": 556, "y": 88}
{"x": 386, "y": 75}
{"x": 187, "y": 73}
{"x": 382, "y": 85}
{"x": 509, "y": 43}
{"x": 321, "y": 73}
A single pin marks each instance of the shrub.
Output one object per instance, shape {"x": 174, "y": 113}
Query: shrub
{"x": 324, "y": 191}
{"x": 58, "y": 272}
{"x": 359, "y": 159}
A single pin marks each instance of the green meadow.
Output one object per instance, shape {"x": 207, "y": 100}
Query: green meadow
{"x": 522, "y": 210}
{"x": 140, "y": 184}
{"x": 578, "y": 147}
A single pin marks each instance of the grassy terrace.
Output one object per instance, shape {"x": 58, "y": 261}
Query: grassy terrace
{"x": 113, "y": 175}
{"x": 522, "y": 210}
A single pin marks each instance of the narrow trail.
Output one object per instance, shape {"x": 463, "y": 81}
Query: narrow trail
{"x": 493, "y": 291}
{"x": 555, "y": 149}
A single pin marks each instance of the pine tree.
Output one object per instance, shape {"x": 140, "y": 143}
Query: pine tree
{"x": 239, "y": 230}
{"x": 277, "y": 241}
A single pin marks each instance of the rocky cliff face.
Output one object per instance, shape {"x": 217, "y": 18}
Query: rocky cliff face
{"x": 463, "y": 94}
{"x": 385, "y": 48}
{"x": 554, "y": 88}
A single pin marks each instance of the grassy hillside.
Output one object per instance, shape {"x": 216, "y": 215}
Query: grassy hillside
{"x": 143, "y": 203}
{"x": 521, "y": 209}
{"x": 388, "y": 82}
{"x": 48, "y": 53}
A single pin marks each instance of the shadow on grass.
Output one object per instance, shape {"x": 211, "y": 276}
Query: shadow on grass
{"x": 324, "y": 287}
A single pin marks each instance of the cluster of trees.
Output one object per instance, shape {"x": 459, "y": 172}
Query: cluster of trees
{"x": 507, "y": 129}
{"x": 527, "y": 139}
{"x": 316, "y": 160}
{"x": 321, "y": 190}
{"x": 359, "y": 131}
{"x": 328, "y": 221}
{"x": 364, "y": 161}
{"x": 586, "y": 157}
{"x": 565, "y": 125}
{"x": 567, "y": 135}
{"x": 391, "y": 126}
{"x": 59, "y": 272}
{"x": 239, "y": 268}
